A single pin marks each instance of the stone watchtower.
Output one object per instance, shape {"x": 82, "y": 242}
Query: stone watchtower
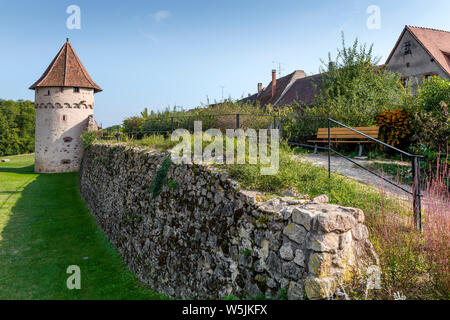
{"x": 64, "y": 102}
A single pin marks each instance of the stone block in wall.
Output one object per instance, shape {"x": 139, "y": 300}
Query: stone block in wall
{"x": 295, "y": 232}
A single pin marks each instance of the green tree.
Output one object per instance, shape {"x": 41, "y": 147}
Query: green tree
{"x": 144, "y": 114}
{"x": 17, "y": 122}
{"x": 355, "y": 89}
{"x": 133, "y": 126}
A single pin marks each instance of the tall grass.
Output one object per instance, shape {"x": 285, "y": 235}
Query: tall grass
{"x": 436, "y": 226}
{"x": 414, "y": 263}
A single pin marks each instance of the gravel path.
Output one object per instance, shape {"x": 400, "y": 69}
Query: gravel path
{"x": 348, "y": 169}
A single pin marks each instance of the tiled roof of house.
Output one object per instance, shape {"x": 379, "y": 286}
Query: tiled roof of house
{"x": 250, "y": 99}
{"x": 436, "y": 42}
{"x": 66, "y": 70}
{"x": 302, "y": 91}
{"x": 265, "y": 96}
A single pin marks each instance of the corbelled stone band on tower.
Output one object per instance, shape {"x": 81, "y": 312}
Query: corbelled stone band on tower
{"x": 64, "y": 102}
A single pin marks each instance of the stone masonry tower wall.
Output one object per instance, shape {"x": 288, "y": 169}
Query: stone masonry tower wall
{"x": 64, "y": 102}
{"x": 61, "y": 116}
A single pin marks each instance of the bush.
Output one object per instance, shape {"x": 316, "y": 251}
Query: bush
{"x": 431, "y": 133}
{"x": 395, "y": 127}
{"x": 432, "y": 93}
{"x": 88, "y": 137}
{"x": 432, "y": 122}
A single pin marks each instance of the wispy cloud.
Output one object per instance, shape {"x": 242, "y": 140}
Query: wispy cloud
{"x": 161, "y": 15}
{"x": 148, "y": 36}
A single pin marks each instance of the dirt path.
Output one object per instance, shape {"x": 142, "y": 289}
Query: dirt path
{"x": 348, "y": 169}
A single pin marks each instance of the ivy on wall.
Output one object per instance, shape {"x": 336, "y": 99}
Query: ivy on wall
{"x": 160, "y": 177}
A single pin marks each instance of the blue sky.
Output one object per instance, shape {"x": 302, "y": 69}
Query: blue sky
{"x": 162, "y": 53}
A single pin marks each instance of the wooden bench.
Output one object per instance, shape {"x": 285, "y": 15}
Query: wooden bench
{"x": 342, "y": 135}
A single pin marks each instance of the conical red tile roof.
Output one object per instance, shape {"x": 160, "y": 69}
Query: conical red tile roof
{"x": 66, "y": 70}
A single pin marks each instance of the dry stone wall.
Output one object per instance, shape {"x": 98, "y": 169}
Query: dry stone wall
{"x": 189, "y": 232}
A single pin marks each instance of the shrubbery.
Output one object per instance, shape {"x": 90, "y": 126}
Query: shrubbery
{"x": 17, "y": 120}
{"x": 431, "y": 120}
{"x": 88, "y": 137}
{"x": 395, "y": 127}
{"x": 220, "y": 116}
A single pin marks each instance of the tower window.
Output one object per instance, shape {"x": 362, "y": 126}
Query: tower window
{"x": 76, "y": 89}
{"x": 64, "y": 117}
{"x": 48, "y": 93}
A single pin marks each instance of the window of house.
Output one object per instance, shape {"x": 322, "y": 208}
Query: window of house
{"x": 407, "y": 48}
{"x": 64, "y": 117}
{"x": 428, "y": 76}
{"x": 404, "y": 81}
{"x": 48, "y": 93}
{"x": 76, "y": 89}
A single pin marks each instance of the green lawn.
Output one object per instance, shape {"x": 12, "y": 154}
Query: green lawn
{"x": 46, "y": 227}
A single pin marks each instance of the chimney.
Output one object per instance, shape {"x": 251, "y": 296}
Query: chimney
{"x": 274, "y": 82}
{"x": 259, "y": 87}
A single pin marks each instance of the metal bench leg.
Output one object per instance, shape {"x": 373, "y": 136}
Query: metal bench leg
{"x": 315, "y": 148}
{"x": 360, "y": 150}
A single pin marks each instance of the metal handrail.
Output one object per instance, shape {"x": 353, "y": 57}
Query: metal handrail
{"x": 376, "y": 140}
{"x": 417, "y": 208}
{"x": 372, "y": 172}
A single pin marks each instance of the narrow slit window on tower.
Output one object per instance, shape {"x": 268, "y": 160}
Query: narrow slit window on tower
{"x": 76, "y": 89}
{"x": 64, "y": 117}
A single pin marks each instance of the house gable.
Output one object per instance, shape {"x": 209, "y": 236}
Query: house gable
{"x": 413, "y": 59}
